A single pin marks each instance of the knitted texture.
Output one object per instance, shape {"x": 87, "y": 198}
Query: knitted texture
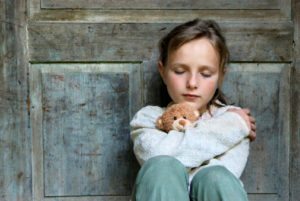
{"x": 219, "y": 139}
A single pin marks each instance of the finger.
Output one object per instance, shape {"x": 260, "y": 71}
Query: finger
{"x": 232, "y": 110}
{"x": 252, "y": 136}
{"x": 253, "y": 127}
{"x": 247, "y": 111}
{"x": 252, "y": 119}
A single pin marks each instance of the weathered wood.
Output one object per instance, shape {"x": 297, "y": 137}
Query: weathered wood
{"x": 152, "y": 84}
{"x": 138, "y": 42}
{"x": 295, "y": 134}
{"x": 15, "y": 136}
{"x": 86, "y": 119}
{"x": 157, "y": 4}
{"x": 245, "y": 85}
{"x": 295, "y": 112}
{"x": 91, "y": 198}
{"x": 262, "y": 32}
{"x": 263, "y": 197}
{"x": 83, "y": 110}
{"x": 286, "y": 8}
{"x": 296, "y": 18}
{"x": 155, "y": 16}
{"x": 264, "y": 88}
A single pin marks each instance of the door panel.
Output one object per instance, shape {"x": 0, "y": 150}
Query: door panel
{"x": 245, "y": 85}
{"x": 93, "y": 64}
{"x": 80, "y": 119}
{"x": 157, "y": 4}
{"x": 138, "y": 42}
{"x": 263, "y": 88}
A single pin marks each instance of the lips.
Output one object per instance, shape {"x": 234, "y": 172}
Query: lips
{"x": 191, "y": 96}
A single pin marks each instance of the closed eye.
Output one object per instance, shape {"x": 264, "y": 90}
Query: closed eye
{"x": 179, "y": 72}
{"x": 206, "y": 75}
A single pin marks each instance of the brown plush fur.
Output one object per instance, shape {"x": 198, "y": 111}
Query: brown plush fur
{"x": 177, "y": 117}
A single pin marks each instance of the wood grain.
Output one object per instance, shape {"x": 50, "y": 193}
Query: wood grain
{"x": 245, "y": 85}
{"x": 15, "y": 135}
{"x": 138, "y": 42}
{"x": 80, "y": 119}
{"x": 156, "y": 4}
{"x": 295, "y": 112}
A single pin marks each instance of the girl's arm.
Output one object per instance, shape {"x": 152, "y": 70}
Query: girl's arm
{"x": 235, "y": 159}
{"x": 207, "y": 140}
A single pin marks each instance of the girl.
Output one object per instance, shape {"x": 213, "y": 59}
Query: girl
{"x": 204, "y": 162}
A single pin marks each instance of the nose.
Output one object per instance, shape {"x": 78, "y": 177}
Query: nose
{"x": 182, "y": 122}
{"x": 192, "y": 82}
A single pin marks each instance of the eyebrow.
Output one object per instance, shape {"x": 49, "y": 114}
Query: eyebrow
{"x": 186, "y": 66}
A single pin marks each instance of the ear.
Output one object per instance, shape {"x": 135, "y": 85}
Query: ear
{"x": 159, "y": 123}
{"x": 161, "y": 70}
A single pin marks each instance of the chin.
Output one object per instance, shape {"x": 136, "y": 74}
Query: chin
{"x": 194, "y": 104}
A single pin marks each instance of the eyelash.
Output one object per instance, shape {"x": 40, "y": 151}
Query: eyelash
{"x": 179, "y": 72}
{"x": 203, "y": 74}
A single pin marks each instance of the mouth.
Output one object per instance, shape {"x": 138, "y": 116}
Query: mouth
{"x": 191, "y": 96}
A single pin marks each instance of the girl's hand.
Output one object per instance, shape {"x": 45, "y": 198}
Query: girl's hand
{"x": 245, "y": 114}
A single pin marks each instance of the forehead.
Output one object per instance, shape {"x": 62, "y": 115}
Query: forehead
{"x": 198, "y": 51}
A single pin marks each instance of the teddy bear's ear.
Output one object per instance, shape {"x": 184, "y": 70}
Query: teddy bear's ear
{"x": 197, "y": 113}
{"x": 159, "y": 123}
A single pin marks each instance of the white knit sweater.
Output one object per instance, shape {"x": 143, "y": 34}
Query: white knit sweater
{"x": 220, "y": 139}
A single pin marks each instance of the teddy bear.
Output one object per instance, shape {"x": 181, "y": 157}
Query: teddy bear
{"x": 177, "y": 117}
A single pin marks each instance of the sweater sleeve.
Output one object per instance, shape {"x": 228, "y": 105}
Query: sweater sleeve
{"x": 206, "y": 140}
{"x": 235, "y": 159}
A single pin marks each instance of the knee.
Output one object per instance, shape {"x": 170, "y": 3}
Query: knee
{"x": 161, "y": 178}
{"x": 162, "y": 169}
{"x": 163, "y": 160}
{"x": 163, "y": 164}
{"x": 217, "y": 183}
{"x": 215, "y": 176}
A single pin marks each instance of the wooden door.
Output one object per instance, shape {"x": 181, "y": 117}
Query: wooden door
{"x": 75, "y": 72}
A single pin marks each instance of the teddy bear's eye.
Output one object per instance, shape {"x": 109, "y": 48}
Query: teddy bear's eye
{"x": 184, "y": 117}
{"x": 175, "y": 118}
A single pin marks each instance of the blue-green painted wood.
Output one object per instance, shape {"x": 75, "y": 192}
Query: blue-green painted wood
{"x": 152, "y": 82}
{"x": 264, "y": 89}
{"x": 15, "y": 135}
{"x": 157, "y": 4}
{"x": 87, "y": 149}
{"x": 80, "y": 119}
{"x": 295, "y": 108}
{"x": 251, "y": 41}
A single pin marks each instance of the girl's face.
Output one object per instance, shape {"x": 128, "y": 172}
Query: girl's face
{"x": 192, "y": 73}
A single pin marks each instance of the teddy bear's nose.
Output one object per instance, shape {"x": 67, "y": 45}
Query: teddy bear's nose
{"x": 182, "y": 122}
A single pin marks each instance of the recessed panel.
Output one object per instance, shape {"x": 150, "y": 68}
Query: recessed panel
{"x": 80, "y": 115}
{"x": 263, "y": 88}
{"x": 157, "y": 4}
{"x": 85, "y": 133}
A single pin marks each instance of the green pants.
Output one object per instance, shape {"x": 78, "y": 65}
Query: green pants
{"x": 164, "y": 178}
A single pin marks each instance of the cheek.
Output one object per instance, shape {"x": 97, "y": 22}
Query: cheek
{"x": 173, "y": 82}
{"x": 211, "y": 86}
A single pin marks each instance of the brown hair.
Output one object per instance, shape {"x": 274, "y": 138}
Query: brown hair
{"x": 192, "y": 30}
